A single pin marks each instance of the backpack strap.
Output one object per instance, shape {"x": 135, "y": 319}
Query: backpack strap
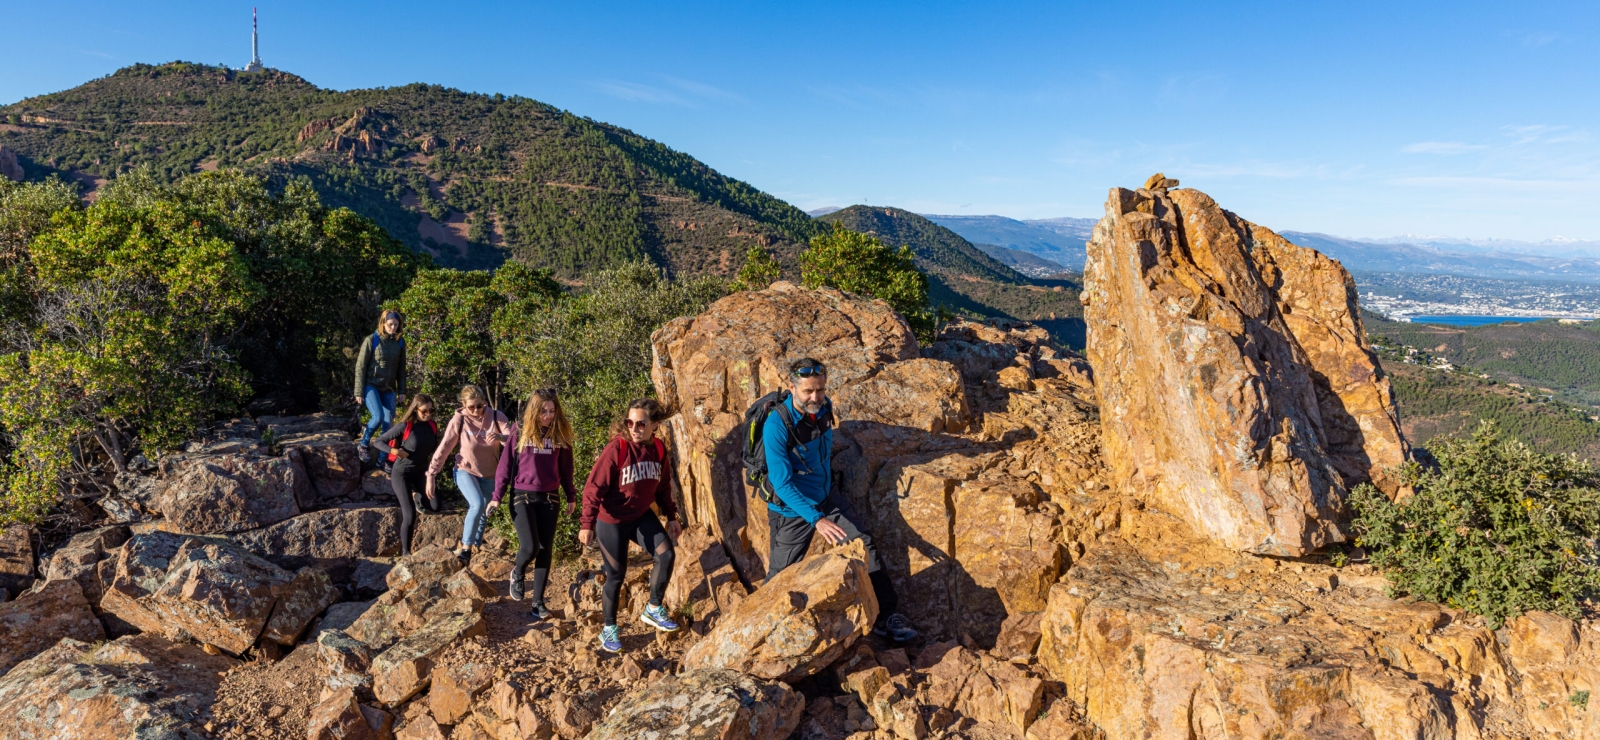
{"x": 376, "y": 340}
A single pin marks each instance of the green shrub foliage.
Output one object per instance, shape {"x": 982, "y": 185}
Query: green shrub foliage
{"x": 518, "y": 330}
{"x": 133, "y": 322}
{"x": 1497, "y": 530}
{"x": 760, "y": 270}
{"x": 861, "y": 264}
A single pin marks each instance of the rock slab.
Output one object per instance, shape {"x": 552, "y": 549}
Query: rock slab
{"x": 798, "y": 623}
{"x": 141, "y": 686}
{"x": 211, "y": 590}
{"x": 705, "y": 705}
{"x": 1216, "y": 405}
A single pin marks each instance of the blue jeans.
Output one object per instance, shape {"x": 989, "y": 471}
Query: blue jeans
{"x": 380, "y": 404}
{"x": 476, "y": 490}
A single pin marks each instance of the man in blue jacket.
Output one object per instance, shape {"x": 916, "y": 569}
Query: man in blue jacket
{"x": 799, "y": 467}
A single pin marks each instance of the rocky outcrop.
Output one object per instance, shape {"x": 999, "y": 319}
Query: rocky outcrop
{"x": 705, "y": 705}
{"x": 929, "y": 450}
{"x": 796, "y": 624}
{"x": 710, "y": 368}
{"x": 82, "y": 560}
{"x": 703, "y": 579}
{"x": 217, "y": 494}
{"x": 332, "y": 462}
{"x": 35, "y": 621}
{"x": 331, "y": 539}
{"x": 1215, "y": 405}
{"x": 140, "y": 686}
{"x": 1164, "y": 633}
{"x": 212, "y": 591}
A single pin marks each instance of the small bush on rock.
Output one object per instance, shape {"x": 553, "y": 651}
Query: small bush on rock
{"x": 1497, "y": 529}
{"x": 861, "y": 264}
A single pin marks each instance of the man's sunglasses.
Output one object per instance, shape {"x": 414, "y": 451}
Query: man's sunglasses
{"x": 810, "y": 372}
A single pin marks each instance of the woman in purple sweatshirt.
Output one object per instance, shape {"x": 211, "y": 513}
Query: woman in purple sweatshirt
{"x": 539, "y": 461}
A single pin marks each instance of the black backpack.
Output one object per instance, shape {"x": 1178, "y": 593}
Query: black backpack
{"x": 755, "y": 448}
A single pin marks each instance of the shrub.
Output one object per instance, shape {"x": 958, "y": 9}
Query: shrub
{"x": 1497, "y": 529}
{"x": 861, "y": 264}
{"x": 133, "y": 322}
{"x": 760, "y": 270}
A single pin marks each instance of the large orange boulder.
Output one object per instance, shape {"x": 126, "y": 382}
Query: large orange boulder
{"x": 798, "y": 623}
{"x": 1236, "y": 387}
{"x": 709, "y": 368}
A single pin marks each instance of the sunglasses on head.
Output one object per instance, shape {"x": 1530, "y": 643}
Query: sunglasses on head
{"x": 810, "y": 371}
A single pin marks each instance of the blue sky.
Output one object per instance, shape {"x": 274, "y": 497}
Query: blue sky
{"x": 1466, "y": 119}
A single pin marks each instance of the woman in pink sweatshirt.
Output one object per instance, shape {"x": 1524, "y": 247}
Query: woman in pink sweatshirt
{"x": 481, "y": 432}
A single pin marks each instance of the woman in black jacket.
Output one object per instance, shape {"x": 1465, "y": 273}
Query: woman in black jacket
{"x": 410, "y": 445}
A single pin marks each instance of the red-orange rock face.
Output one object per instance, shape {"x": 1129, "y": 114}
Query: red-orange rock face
{"x": 1236, "y": 389}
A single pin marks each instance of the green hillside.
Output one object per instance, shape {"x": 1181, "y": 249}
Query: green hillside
{"x": 1561, "y": 359}
{"x": 962, "y": 278}
{"x": 1436, "y": 402}
{"x": 471, "y": 179}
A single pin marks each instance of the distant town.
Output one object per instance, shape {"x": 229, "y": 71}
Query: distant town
{"x": 1402, "y": 296}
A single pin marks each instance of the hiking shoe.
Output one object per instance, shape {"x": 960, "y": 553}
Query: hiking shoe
{"x": 539, "y": 612}
{"x": 896, "y": 628}
{"x": 361, "y": 451}
{"x": 610, "y": 639}
{"x": 516, "y": 588}
{"x": 656, "y": 616}
{"x": 464, "y": 555}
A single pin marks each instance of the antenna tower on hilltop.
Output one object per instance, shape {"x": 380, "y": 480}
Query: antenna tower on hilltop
{"x": 255, "y": 48}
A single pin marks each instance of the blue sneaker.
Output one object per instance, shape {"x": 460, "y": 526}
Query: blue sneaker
{"x": 656, "y": 616}
{"x": 610, "y": 639}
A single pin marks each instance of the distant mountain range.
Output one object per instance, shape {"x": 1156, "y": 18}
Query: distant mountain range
{"x": 967, "y": 279}
{"x": 1059, "y": 241}
{"x": 1393, "y": 256}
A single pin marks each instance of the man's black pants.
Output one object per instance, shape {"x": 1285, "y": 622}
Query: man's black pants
{"x": 791, "y": 537}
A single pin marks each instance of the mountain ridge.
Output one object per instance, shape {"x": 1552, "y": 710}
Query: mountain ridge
{"x": 472, "y": 179}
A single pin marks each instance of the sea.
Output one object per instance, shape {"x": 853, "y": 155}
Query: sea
{"x": 1472, "y": 320}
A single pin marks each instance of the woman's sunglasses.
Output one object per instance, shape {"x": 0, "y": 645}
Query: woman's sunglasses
{"x": 631, "y": 424}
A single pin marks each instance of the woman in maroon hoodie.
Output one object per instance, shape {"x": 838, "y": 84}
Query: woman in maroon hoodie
{"x": 538, "y": 462}
{"x": 632, "y": 473}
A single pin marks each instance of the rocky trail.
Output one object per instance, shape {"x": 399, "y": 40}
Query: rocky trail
{"x": 1126, "y": 544}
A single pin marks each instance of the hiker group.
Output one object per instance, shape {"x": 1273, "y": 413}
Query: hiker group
{"x": 528, "y": 465}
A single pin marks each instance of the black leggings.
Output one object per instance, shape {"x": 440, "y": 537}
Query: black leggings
{"x": 536, "y": 534}
{"x": 614, "y": 539}
{"x": 406, "y": 478}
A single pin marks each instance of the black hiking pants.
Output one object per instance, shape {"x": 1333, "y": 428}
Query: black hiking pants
{"x": 534, "y": 515}
{"x": 409, "y": 478}
{"x": 614, "y": 539}
{"x": 791, "y": 538}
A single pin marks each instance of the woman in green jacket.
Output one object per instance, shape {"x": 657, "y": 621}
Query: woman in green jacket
{"x": 381, "y": 376}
